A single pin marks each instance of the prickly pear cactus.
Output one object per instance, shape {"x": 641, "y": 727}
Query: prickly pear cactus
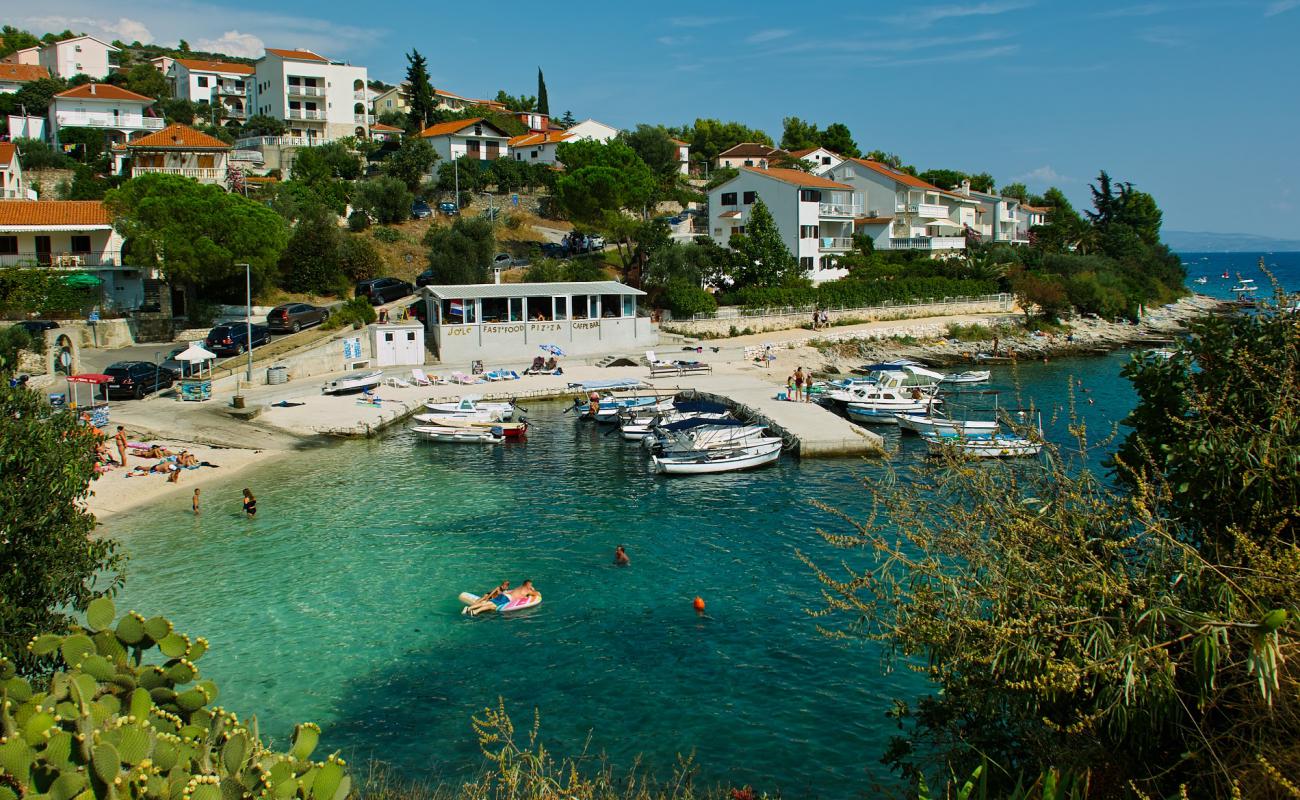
{"x": 110, "y": 726}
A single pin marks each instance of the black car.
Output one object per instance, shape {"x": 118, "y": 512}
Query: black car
{"x": 424, "y": 278}
{"x": 232, "y": 339}
{"x": 36, "y": 327}
{"x": 178, "y": 368}
{"x": 448, "y": 209}
{"x": 293, "y": 317}
{"x": 137, "y": 379}
{"x": 420, "y": 210}
{"x": 383, "y": 290}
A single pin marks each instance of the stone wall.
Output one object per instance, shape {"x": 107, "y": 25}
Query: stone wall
{"x": 728, "y": 319}
{"x": 46, "y": 181}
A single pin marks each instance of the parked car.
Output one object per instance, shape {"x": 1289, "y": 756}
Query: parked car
{"x": 420, "y": 209}
{"x": 502, "y": 260}
{"x": 596, "y": 242}
{"x": 448, "y": 209}
{"x": 232, "y": 339}
{"x": 425, "y": 278}
{"x": 383, "y": 290}
{"x": 36, "y": 327}
{"x": 553, "y": 250}
{"x": 293, "y": 317}
{"x": 179, "y": 369}
{"x": 137, "y": 379}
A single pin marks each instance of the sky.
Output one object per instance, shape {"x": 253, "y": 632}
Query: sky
{"x": 1195, "y": 102}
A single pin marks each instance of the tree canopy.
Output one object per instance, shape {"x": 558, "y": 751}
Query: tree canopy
{"x": 462, "y": 253}
{"x": 420, "y": 98}
{"x": 412, "y": 162}
{"x": 543, "y": 99}
{"x": 708, "y": 137}
{"x": 762, "y": 257}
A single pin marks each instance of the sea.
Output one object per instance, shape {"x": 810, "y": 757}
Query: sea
{"x": 338, "y": 603}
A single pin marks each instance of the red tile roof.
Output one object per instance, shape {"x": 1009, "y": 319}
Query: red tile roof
{"x": 897, "y": 175}
{"x": 379, "y": 126}
{"x": 456, "y": 126}
{"x": 300, "y": 55}
{"x": 36, "y": 213}
{"x": 177, "y": 137}
{"x": 21, "y": 73}
{"x": 102, "y": 91}
{"x": 679, "y": 142}
{"x": 548, "y": 137}
{"x": 751, "y": 149}
{"x": 1036, "y": 209}
{"x": 7, "y": 152}
{"x": 798, "y": 178}
{"x": 198, "y": 65}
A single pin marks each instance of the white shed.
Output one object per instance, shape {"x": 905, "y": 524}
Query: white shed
{"x": 397, "y": 344}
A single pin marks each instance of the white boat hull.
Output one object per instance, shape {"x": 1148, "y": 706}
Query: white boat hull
{"x": 974, "y": 376}
{"x": 704, "y": 438}
{"x": 504, "y": 410}
{"x": 935, "y": 426}
{"x": 993, "y": 447}
{"x": 436, "y": 433}
{"x": 354, "y": 384}
{"x": 721, "y": 460}
{"x": 884, "y": 413}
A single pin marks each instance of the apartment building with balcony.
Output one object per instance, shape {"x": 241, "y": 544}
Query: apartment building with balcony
{"x": 819, "y": 159}
{"x": 815, "y": 215}
{"x": 683, "y": 156}
{"x": 997, "y": 218}
{"x": 176, "y": 150}
{"x": 80, "y": 55}
{"x": 122, "y": 114}
{"x": 73, "y": 235}
{"x": 903, "y": 212}
{"x": 318, "y": 99}
{"x": 14, "y": 76}
{"x": 220, "y": 83}
{"x": 13, "y": 186}
{"x": 476, "y": 138}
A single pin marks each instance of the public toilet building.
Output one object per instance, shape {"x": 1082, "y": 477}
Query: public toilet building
{"x": 508, "y": 322}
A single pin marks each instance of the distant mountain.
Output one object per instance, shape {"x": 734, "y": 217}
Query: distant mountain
{"x": 1205, "y": 242}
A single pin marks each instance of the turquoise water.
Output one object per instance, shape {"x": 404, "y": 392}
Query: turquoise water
{"x": 338, "y": 603}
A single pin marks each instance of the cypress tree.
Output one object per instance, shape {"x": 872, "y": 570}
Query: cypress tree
{"x": 421, "y": 90}
{"x": 543, "y": 103}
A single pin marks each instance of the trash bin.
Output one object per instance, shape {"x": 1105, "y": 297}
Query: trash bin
{"x": 277, "y": 374}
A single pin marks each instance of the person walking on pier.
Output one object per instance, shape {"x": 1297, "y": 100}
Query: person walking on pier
{"x": 798, "y": 384}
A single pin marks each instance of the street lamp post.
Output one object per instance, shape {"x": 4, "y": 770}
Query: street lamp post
{"x": 248, "y": 319}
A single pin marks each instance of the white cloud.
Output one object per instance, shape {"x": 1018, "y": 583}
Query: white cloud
{"x": 128, "y": 30}
{"x": 770, "y": 35}
{"x": 1279, "y": 6}
{"x": 924, "y": 17}
{"x": 962, "y": 55}
{"x": 696, "y": 22}
{"x": 1044, "y": 174}
{"x": 1166, "y": 37}
{"x": 1143, "y": 10}
{"x": 232, "y": 43}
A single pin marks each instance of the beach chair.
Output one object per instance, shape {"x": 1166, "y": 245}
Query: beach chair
{"x": 398, "y": 383}
{"x": 493, "y": 375}
{"x": 419, "y": 378}
{"x": 462, "y": 378}
{"x": 510, "y": 374}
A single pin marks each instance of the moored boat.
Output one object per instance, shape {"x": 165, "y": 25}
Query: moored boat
{"x": 748, "y": 455}
{"x": 470, "y": 404}
{"x": 460, "y": 435}
{"x": 353, "y": 383}
{"x": 971, "y": 376}
{"x": 511, "y": 430}
{"x": 926, "y": 424}
{"x": 995, "y": 446}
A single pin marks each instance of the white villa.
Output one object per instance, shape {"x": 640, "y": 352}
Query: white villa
{"x": 80, "y": 55}
{"x": 998, "y": 218}
{"x": 815, "y": 215}
{"x": 215, "y": 82}
{"x": 683, "y": 156}
{"x": 538, "y": 148}
{"x": 475, "y": 138}
{"x": 903, "y": 212}
{"x": 117, "y": 111}
{"x": 591, "y": 129}
{"x": 13, "y": 186}
{"x": 320, "y": 100}
{"x": 1032, "y": 217}
{"x": 176, "y": 150}
{"x": 819, "y": 158}
{"x": 749, "y": 154}
{"x": 14, "y": 76}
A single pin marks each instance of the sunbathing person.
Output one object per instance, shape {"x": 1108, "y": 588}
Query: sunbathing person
{"x": 187, "y": 459}
{"x": 154, "y": 451}
{"x": 537, "y": 366}
{"x": 551, "y": 364}
{"x": 490, "y": 601}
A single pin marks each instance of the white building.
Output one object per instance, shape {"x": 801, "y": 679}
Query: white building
{"x": 903, "y": 212}
{"x": 819, "y": 158}
{"x": 538, "y": 148}
{"x": 998, "y": 219}
{"x": 14, "y": 76}
{"x": 394, "y": 99}
{"x": 320, "y": 100}
{"x": 80, "y": 55}
{"x": 591, "y": 129}
{"x": 163, "y": 64}
{"x": 117, "y": 111}
{"x": 814, "y": 214}
{"x": 215, "y": 82}
{"x": 13, "y": 186}
{"x": 176, "y": 150}
{"x": 749, "y": 154}
{"x": 69, "y": 235}
{"x": 1032, "y": 217}
{"x": 30, "y": 56}
{"x": 683, "y": 156}
{"x": 475, "y": 137}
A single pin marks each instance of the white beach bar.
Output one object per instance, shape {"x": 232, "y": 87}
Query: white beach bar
{"x": 509, "y": 321}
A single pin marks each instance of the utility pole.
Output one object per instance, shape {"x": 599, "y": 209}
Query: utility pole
{"x": 455, "y": 171}
{"x": 248, "y": 319}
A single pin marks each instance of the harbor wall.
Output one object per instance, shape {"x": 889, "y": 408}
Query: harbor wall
{"x": 726, "y": 319}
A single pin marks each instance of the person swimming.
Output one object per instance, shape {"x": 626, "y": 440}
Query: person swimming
{"x": 490, "y": 601}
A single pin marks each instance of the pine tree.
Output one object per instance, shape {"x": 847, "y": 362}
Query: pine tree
{"x": 543, "y": 102}
{"x": 764, "y": 258}
{"x": 568, "y": 120}
{"x": 421, "y": 90}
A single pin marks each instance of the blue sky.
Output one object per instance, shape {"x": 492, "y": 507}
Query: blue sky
{"x": 1195, "y": 102}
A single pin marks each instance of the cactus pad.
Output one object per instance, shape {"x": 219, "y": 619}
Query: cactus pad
{"x": 157, "y": 628}
{"x": 179, "y": 672}
{"x": 35, "y": 727}
{"x": 205, "y": 791}
{"x": 100, "y": 614}
{"x": 328, "y": 779}
{"x": 136, "y": 744}
{"x": 107, "y": 763}
{"x": 197, "y": 649}
{"x": 98, "y": 667}
{"x": 305, "y": 737}
{"x": 67, "y": 786}
{"x": 16, "y": 758}
{"x": 192, "y": 699}
{"x": 173, "y": 645}
{"x": 44, "y": 644}
{"x": 7, "y": 670}
{"x": 152, "y": 678}
{"x": 234, "y": 752}
{"x": 18, "y": 689}
{"x": 108, "y": 646}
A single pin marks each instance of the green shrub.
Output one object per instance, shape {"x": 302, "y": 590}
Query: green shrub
{"x": 685, "y": 299}
{"x": 25, "y": 290}
{"x": 388, "y": 235}
{"x": 969, "y": 333}
{"x": 107, "y": 726}
{"x": 358, "y": 309}
{"x": 358, "y": 221}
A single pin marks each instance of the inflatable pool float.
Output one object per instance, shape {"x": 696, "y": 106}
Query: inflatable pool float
{"x": 517, "y": 604}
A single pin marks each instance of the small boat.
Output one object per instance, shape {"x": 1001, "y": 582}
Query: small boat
{"x": 996, "y": 446}
{"x": 927, "y": 425}
{"x": 511, "y": 430}
{"x": 1224, "y": 275}
{"x": 1202, "y": 280}
{"x": 608, "y": 407}
{"x": 638, "y": 423}
{"x": 471, "y": 405}
{"x": 1245, "y": 286}
{"x": 732, "y": 459}
{"x": 451, "y": 433}
{"x": 700, "y": 434}
{"x": 1162, "y": 352}
{"x": 353, "y": 383}
{"x": 972, "y": 376}
{"x": 517, "y": 604}
{"x": 879, "y": 404}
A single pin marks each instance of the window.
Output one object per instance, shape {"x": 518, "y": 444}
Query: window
{"x": 207, "y": 162}
{"x": 826, "y": 159}
{"x": 629, "y": 305}
{"x": 806, "y": 263}
{"x": 728, "y": 198}
{"x": 808, "y": 232}
{"x": 610, "y": 305}
{"x": 203, "y": 81}
{"x": 810, "y": 195}
{"x": 8, "y": 245}
{"x": 749, "y": 198}
{"x": 749, "y": 162}
{"x": 80, "y": 244}
{"x": 738, "y": 229}
{"x": 478, "y": 130}
{"x": 561, "y": 308}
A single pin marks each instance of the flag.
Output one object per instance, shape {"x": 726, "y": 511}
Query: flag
{"x": 457, "y": 308}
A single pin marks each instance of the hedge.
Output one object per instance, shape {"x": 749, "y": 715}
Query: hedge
{"x": 850, "y": 293}
{"x": 44, "y": 292}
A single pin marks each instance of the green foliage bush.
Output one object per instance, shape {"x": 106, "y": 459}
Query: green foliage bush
{"x": 352, "y": 311}
{"x": 462, "y": 253}
{"x": 685, "y": 299}
{"x": 852, "y": 293}
{"x": 358, "y": 221}
{"x": 388, "y": 235}
{"x": 40, "y": 291}
{"x": 109, "y": 725}
{"x": 386, "y": 199}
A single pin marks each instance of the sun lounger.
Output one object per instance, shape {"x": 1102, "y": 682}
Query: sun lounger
{"x": 418, "y": 378}
{"x": 493, "y": 375}
{"x": 462, "y": 378}
{"x": 397, "y": 382}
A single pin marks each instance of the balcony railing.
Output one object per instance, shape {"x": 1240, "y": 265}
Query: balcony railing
{"x": 929, "y": 243}
{"x": 364, "y": 119}
{"x": 834, "y": 243}
{"x": 231, "y": 90}
{"x": 306, "y": 91}
{"x": 929, "y": 210}
{"x": 841, "y": 209}
{"x": 359, "y": 95}
{"x": 234, "y": 113}
{"x": 62, "y": 260}
{"x": 202, "y": 174}
{"x": 280, "y": 141}
{"x": 306, "y": 113}
{"x": 88, "y": 119}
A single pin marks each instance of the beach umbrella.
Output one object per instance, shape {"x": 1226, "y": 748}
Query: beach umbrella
{"x": 82, "y": 279}
{"x": 195, "y": 354}
{"x": 553, "y": 349}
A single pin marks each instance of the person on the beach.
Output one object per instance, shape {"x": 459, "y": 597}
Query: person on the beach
{"x": 620, "y": 557}
{"x": 768, "y": 356}
{"x": 187, "y": 459}
{"x": 798, "y": 384}
{"x": 194, "y": 501}
{"x": 824, "y": 319}
{"x": 789, "y": 388}
{"x": 816, "y": 318}
{"x": 250, "y": 504}
{"x": 120, "y": 438}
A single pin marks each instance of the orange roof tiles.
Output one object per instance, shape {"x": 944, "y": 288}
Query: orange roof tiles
{"x": 21, "y": 73}
{"x": 379, "y": 126}
{"x": 456, "y": 126}
{"x": 300, "y": 55}
{"x": 548, "y": 137}
{"x": 1035, "y": 209}
{"x": 102, "y": 91}
{"x": 177, "y": 137}
{"x": 199, "y": 65}
{"x": 679, "y": 142}
{"x": 901, "y": 177}
{"x": 798, "y": 178}
{"x": 36, "y": 213}
{"x": 7, "y": 152}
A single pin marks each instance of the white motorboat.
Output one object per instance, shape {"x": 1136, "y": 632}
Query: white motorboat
{"x": 608, "y": 407}
{"x": 903, "y": 380}
{"x": 471, "y": 405}
{"x": 928, "y": 425}
{"x": 996, "y": 446}
{"x": 1202, "y": 280}
{"x": 637, "y": 424}
{"x": 1245, "y": 286}
{"x": 748, "y": 455}
{"x": 972, "y": 376}
{"x": 462, "y": 435}
{"x": 354, "y": 383}
{"x": 879, "y": 404}
{"x": 700, "y": 434}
